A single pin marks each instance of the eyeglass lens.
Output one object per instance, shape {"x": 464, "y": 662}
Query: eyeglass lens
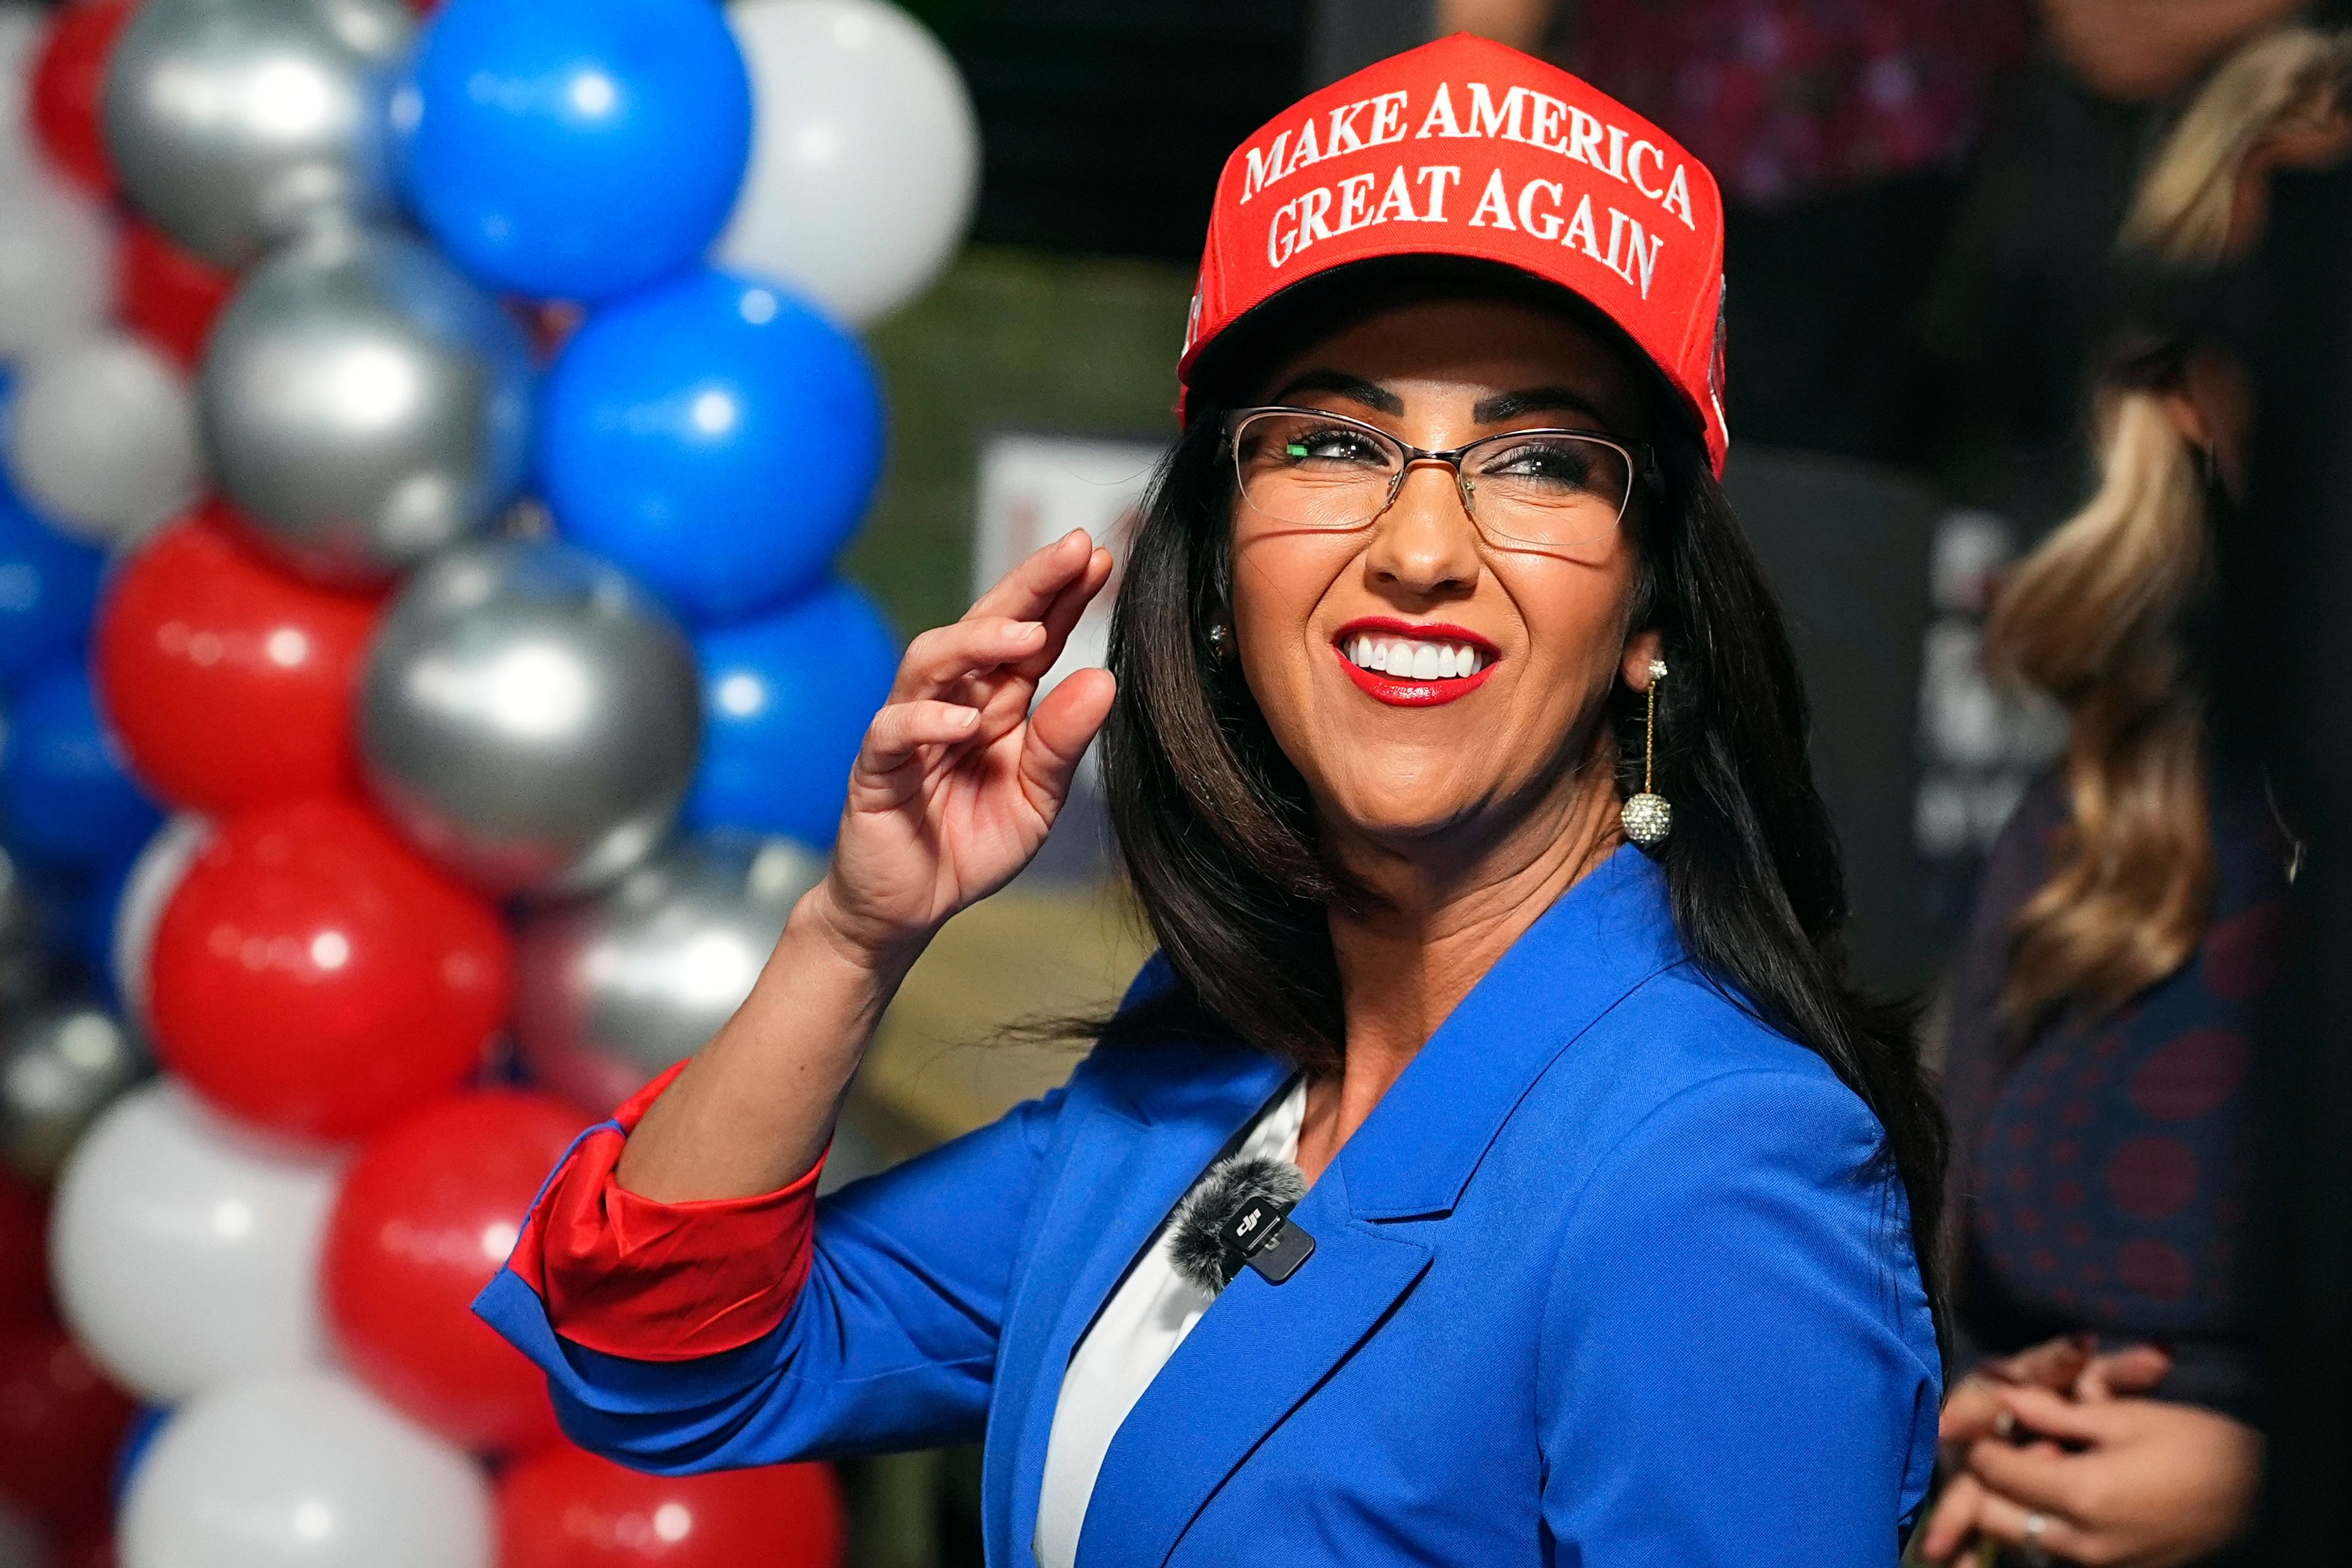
{"x": 1544, "y": 488}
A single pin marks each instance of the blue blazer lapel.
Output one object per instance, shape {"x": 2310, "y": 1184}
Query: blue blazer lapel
{"x": 1261, "y": 1349}
{"x": 1257, "y": 1352}
{"x": 1124, "y": 1170}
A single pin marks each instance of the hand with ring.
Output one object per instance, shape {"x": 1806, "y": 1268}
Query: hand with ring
{"x": 1975, "y": 1412}
{"x": 2139, "y": 1483}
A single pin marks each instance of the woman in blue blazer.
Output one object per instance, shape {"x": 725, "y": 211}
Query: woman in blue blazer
{"x": 1590, "y": 1183}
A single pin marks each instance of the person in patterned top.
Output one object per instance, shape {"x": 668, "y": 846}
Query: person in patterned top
{"x": 2120, "y": 993}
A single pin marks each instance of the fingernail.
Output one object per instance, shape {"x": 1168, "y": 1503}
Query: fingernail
{"x": 967, "y": 718}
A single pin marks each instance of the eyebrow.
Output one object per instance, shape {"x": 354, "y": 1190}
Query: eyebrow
{"x": 1492, "y": 411}
{"x": 1355, "y": 388}
{"x": 1537, "y": 400}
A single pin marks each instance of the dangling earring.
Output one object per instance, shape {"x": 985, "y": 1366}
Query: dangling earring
{"x": 1221, "y": 641}
{"x": 1647, "y": 816}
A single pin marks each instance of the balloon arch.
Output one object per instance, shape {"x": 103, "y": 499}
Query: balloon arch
{"x": 428, "y": 437}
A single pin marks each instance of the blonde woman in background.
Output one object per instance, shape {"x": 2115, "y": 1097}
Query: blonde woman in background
{"x": 2120, "y": 988}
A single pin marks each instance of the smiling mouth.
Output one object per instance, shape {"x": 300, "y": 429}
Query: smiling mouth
{"x": 1412, "y": 671}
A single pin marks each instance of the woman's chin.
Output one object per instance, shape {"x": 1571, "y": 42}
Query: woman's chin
{"x": 1388, "y": 811}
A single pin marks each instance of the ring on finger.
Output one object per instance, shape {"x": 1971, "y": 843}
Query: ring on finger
{"x": 2004, "y": 1426}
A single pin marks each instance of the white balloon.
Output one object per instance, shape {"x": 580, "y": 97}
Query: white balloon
{"x": 56, "y": 260}
{"x": 865, "y": 153}
{"x": 186, "y": 1252}
{"x": 154, "y": 877}
{"x": 302, "y": 1471}
{"x": 102, "y": 438}
{"x": 22, "y": 30}
{"x": 21, "y": 1545}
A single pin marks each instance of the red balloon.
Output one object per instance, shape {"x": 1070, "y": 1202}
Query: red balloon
{"x": 230, "y": 682}
{"x": 425, "y": 1216}
{"x": 24, "y": 1256}
{"x": 60, "y": 1423}
{"x": 68, "y": 78}
{"x": 313, "y": 974}
{"x": 168, "y": 294}
{"x": 565, "y": 1507}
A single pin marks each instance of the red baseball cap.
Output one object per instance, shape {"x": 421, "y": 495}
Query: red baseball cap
{"x": 1468, "y": 148}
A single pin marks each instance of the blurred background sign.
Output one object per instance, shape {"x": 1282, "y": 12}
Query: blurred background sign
{"x": 1034, "y": 489}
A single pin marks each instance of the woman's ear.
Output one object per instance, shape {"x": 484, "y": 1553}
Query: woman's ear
{"x": 2189, "y": 418}
{"x": 1640, "y": 649}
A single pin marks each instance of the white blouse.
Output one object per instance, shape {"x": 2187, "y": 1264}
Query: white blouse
{"x": 1140, "y": 1327}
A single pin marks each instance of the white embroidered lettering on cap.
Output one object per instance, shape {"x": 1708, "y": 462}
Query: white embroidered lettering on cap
{"x": 1531, "y": 117}
{"x": 1468, "y": 148}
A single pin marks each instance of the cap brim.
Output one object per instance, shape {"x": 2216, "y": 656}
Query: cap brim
{"x": 1230, "y": 368}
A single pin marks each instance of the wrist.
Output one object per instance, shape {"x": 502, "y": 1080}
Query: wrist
{"x": 861, "y": 945}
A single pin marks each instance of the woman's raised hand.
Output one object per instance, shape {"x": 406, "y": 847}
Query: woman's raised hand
{"x": 958, "y": 782}
{"x": 952, "y": 793}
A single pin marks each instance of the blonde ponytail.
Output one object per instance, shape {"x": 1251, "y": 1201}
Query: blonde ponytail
{"x": 2093, "y": 616}
{"x": 2278, "y": 83}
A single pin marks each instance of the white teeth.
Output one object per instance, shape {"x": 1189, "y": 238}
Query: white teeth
{"x": 1412, "y": 659}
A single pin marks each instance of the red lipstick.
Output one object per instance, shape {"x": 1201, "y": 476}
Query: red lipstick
{"x": 1405, "y": 691}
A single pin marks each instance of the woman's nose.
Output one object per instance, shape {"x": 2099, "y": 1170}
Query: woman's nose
{"x": 1425, "y": 543}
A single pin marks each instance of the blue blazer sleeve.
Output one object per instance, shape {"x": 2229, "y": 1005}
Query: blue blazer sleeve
{"x": 1731, "y": 1367}
{"x": 890, "y": 1344}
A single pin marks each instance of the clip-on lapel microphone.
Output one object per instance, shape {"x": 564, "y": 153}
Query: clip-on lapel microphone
{"x": 1239, "y": 1215}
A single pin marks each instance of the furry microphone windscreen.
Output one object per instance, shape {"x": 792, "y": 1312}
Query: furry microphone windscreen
{"x": 1196, "y": 1250}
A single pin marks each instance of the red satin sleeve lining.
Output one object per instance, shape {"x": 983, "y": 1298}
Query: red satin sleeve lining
{"x": 629, "y": 1277}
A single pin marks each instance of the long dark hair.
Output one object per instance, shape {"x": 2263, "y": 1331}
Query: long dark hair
{"x": 1216, "y": 834}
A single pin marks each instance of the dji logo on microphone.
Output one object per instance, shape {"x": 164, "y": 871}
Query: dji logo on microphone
{"x": 1256, "y": 1233}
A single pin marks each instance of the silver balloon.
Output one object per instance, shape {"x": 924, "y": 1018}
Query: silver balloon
{"x": 23, "y": 962}
{"x": 364, "y": 404}
{"x": 154, "y": 877}
{"x": 234, "y": 122}
{"x": 58, "y": 1069}
{"x": 530, "y": 717}
{"x": 612, "y": 990}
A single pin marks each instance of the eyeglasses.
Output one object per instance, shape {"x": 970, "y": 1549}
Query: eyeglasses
{"x": 1554, "y": 489}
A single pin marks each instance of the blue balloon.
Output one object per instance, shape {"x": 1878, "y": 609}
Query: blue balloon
{"x": 48, "y": 583}
{"x": 785, "y": 700}
{"x": 573, "y": 148}
{"x": 714, "y": 436}
{"x": 48, "y": 591}
{"x": 66, "y": 798}
{"x": 137, "y": 1438}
